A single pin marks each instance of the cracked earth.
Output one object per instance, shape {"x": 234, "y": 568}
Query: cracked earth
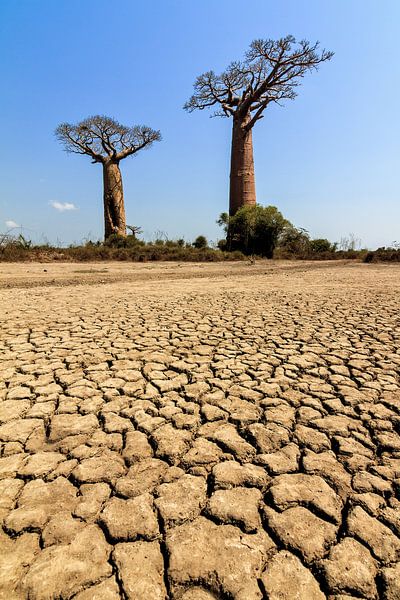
{"x": 198, "y": 433}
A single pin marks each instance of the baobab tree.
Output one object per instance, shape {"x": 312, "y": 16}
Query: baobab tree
{"x": 270, "y": 72}
{"x": 108, "y": 142}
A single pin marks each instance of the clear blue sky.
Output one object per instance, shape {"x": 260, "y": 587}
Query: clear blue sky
{"x": 329, "y": 160}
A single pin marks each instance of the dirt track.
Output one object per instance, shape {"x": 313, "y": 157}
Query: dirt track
{"x": 199, "y": 432}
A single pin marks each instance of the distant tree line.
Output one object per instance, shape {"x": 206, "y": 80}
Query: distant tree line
{"x": 272, "y": 231}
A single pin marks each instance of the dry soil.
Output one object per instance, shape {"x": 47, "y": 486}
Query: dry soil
{"x": 199, "y": 432}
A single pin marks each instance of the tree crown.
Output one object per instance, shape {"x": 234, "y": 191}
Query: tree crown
{"x": 103, "y": 138}
{"x": 270, "y": 72}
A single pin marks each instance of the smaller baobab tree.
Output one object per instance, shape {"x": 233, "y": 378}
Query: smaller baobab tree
{"x": 135, "y": 230}
{"x": 108, "y": 142}
{"x": 270, "y": 72}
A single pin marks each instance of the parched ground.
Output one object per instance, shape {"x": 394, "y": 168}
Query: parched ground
{"x": 199, "y": 432}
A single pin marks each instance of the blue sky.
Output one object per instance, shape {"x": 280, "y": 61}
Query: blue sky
{"x": 329, "y": 160}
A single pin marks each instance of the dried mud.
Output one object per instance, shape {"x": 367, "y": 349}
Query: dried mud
{"x": 199, "y": 432}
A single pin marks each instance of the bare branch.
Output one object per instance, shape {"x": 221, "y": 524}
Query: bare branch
{"x": 139, "y": 137}
{"x": 270, "y": 72}
{"x": 103, "y": 138}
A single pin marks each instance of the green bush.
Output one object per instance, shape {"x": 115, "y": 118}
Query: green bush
{"x": 321, "y": 245}
{"x": 120, "y": 241}
{"x": 369, "y": 257}
{"x": 222, "y": 245}
{"x": 200, "y": 242}
{"x": 294, "y": 242}
{"x": 117, "y": 249}
{"x": 254, "y": 229}
{"x": 383, "y": 255}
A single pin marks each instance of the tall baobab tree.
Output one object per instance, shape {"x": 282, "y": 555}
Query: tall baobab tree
{"x": 270, "y": 72}
{"x": 107, "y": 142}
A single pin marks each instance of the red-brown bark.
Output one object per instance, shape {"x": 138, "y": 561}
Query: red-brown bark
{"x": 269, "y": 73}
{"x": 114, "y": 209}
{"x": 242, "y": 181}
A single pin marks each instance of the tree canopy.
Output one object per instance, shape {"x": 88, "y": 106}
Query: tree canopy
{"x": 103, "y": 138}
{"x": 270, "y": 72}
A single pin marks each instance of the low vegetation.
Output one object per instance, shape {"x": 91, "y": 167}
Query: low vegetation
{"x": 127, "y": 248}
{"x": 383, "y": 255}
{"x": 253, "y": 232}
{"x": 264, "y": 231}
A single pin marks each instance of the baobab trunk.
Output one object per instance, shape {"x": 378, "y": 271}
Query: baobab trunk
{"x": 114, "y": 209}
{"x": 242, "y": 181}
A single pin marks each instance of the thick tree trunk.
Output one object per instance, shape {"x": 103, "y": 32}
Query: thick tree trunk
{"x": 114, "y": 209}
{"x": 242, "y": 182}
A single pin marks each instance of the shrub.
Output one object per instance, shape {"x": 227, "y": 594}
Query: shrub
{"x": 120, "y": 241}
{"x": 222, "y": 245}
{"x": 294, "y": 241}
{"x": 383, "y": 255}
{"x": 369, "y": 257}
{"x": 254, "y": 229}
{"x": 200, "y": 242}
{"x": 321, "y": 245}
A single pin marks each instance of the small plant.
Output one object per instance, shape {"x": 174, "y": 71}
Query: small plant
{"x": 321, "y": 245}
{"x": 135, "y": 230}
{"x": 120, "y": 241}
{"x": 222, "y": 245}
{"x": 294, "y": 241}
{"x": 200, "y": 242}
{"x": 23, "y": 242}
{"x": 391, "y": 254}
{"x": 115, "y": 241}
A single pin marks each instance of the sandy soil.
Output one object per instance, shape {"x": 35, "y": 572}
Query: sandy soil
{"x": 199, "y": 432}
{"x": 62, "y": 274}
